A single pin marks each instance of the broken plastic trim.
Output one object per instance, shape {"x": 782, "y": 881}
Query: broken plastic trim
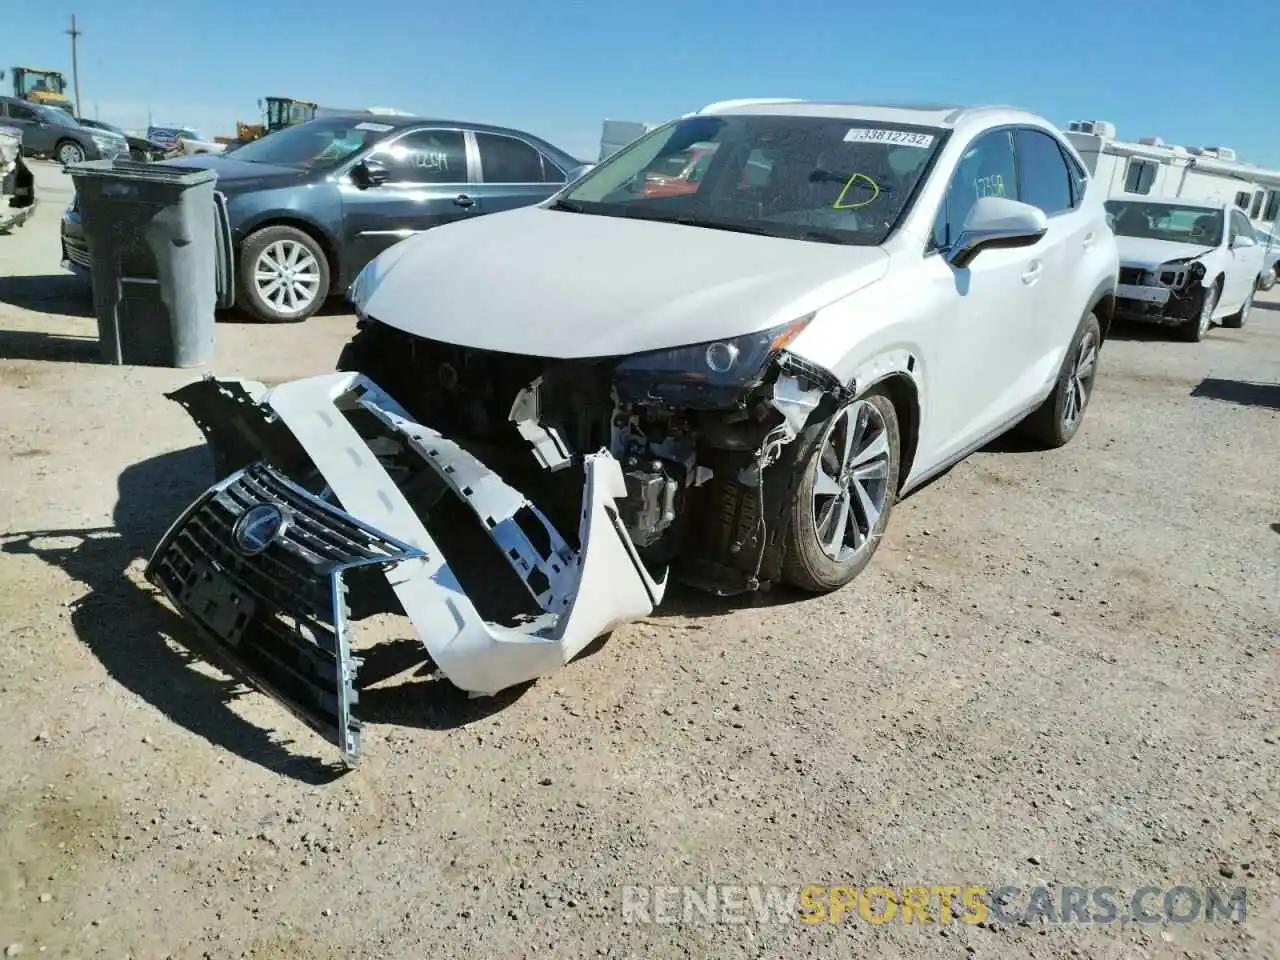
{"x": 589, "y": 591}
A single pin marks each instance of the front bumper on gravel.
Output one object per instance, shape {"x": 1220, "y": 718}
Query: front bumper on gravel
{"x": 273, "y": 599}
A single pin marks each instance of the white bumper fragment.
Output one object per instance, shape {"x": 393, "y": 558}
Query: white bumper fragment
{"x": 583, "y": 593}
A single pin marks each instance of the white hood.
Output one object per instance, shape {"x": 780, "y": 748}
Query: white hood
{"x": 1147, "y": 254}
{"x": 553, "y": 283}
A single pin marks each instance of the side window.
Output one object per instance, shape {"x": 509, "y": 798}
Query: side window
{"x": 985, "y": 170}
{"x": 508, "y": 160}
{"x": 1140, "y": 176}
{"x": 426, "y": 156}
{"x": 19, "y": 112}
{"x": 1257, "y": 205}
{"x": 1273, "y": 206}
{"x": 1043, "y": 180}
{"x": 1242, "y": 200}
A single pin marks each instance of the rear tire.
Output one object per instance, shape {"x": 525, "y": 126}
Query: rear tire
{"x": 282, "y": 275}
{"x": 1058, "y": 419}
{"x": 845, "y": 485}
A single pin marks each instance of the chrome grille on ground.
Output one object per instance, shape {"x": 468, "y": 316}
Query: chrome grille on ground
{"x": 278, "y": 612}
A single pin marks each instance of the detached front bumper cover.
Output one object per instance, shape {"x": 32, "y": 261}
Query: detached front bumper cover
{"x": 257, "y": 563}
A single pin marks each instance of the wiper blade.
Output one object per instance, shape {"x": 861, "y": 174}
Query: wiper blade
{"x": 567, "y": 205}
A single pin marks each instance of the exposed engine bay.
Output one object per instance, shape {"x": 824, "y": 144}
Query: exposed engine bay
{"x": 693, "y": 454}
{"x": 1171, "y": 293}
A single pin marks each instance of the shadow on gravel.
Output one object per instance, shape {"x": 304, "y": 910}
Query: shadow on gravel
{"x": 61, "y": 293}
{"x": 1240, "y": 392}
{"x": 1130, "y": 330}
{"x": 1266, "y": 305}
{"x": 37, "y": 345}
{"x": 128, "y": 627}
{"x": 1276, "y": 527}
{"x": 335, "y": 306}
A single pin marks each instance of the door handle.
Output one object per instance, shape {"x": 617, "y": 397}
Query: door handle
{"x": 463, "y": 200}
{"x": 1088, "y": 241}
{"x": 1032, "y": 273}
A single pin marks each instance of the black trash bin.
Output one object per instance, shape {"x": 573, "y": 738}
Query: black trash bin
{"x": 161, "y": 259}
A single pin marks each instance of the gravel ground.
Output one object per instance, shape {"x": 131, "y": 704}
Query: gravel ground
{"x": 1061, "y": 669}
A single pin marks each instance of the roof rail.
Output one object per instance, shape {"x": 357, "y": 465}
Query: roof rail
{"x": 747, "y": 102}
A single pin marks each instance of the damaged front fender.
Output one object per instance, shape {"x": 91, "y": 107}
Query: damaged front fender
{"x": 258, "y": 562}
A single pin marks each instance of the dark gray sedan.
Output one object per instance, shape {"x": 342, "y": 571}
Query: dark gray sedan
{"x": 50, "y": 132}
{"x": 310, "y": 205}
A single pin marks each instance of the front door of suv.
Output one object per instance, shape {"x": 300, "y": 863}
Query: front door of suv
{"x": 1047, "y": 179}
{"x": 428, "y": 184}
{"x": 982, "y": 345}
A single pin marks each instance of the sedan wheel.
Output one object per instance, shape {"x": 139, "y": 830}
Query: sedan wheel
{"x": 1056, "y": 420}
{"x": 1237, "y": 319}
{"x": 283, "y": 275}
{"x": 846, "y": 488}
{"x": 69, "y": 153}
{"x": 1193, "y": 330}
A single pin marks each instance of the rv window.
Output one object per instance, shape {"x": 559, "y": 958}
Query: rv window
{"x": 1140, "y": 176}
{"x": 1242, "y": 200}
{"x": 1273, "y": 206}
{"x": 1256, "y": 209}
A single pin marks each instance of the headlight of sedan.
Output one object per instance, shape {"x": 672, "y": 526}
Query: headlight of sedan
{"x": 715, "y": 363}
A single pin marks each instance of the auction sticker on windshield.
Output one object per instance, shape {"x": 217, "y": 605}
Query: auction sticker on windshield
{"x": 375, "y": 127}
{"x": 902, "y": 138}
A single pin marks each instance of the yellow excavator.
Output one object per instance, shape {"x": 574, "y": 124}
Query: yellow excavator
{"x": 278, "y": 113}
{"x": 41, "y": 86}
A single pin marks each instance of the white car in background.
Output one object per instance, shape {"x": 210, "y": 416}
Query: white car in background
{"x": 1185, "y": 263}
{"x": 734, "y": 377}
{"x": 1270, "y": 243}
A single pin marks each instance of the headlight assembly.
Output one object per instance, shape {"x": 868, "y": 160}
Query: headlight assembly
{"x": 715, "y": 363}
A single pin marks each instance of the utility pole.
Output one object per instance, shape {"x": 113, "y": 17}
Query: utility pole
{"x": 75, "y": 67}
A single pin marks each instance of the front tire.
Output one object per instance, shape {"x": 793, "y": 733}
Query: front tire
{"x": 69, "y": 152}
{"x": 846, "y": 487}
{"x": 1237, "y": 319}
{"x": 1194, "y": 330}
{"x": 283, "y": 275}
{"x": 1057, "y": 420}
{"x": 1267, "y": 279}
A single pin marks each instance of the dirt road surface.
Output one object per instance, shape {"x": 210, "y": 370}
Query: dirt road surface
{"x": 1061, "y": 669}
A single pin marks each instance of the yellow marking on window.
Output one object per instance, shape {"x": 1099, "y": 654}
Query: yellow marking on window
{"x": 841, "y": 205}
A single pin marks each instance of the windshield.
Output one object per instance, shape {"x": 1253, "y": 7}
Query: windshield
{"x": 55, "y": 116}
{"x": 37, "y": 82}
{"x": 810, "y": 178}
{"x": 316, "y": 143}
{"x": 1166, "y": 221}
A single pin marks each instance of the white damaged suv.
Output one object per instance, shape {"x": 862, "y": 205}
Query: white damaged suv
{"x": 725, "y": 351}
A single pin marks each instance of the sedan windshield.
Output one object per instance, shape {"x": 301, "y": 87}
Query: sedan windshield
{"x": 314, "y": 144}
{"x": 809, "y": 178}
{"x": 1166, "y": 221}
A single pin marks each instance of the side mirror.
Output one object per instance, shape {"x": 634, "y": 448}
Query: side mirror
{"x": 1244, "y": 240}
{"x": 370, "y": 173}
{"x": 997, "y": 223}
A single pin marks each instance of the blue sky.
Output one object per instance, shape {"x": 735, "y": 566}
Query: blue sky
{"x": 1192, "y": 73}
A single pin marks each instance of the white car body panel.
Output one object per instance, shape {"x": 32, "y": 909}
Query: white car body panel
{"x": 680, "y": 284}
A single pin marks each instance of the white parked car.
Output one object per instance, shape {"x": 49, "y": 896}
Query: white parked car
{"x": 1185, "y": 263}
{"x": 734, "y": 377}
{"x": 1270, "y": 244}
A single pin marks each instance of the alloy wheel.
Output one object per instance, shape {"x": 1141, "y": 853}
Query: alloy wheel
{"x": 287, "y": 276}
{"x": 850, "y": 484}
{"x": 1080, "y": 382}
{"x": 70, "y": 153}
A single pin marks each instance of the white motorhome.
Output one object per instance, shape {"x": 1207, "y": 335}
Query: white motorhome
{"x": 1151, "y": 167}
